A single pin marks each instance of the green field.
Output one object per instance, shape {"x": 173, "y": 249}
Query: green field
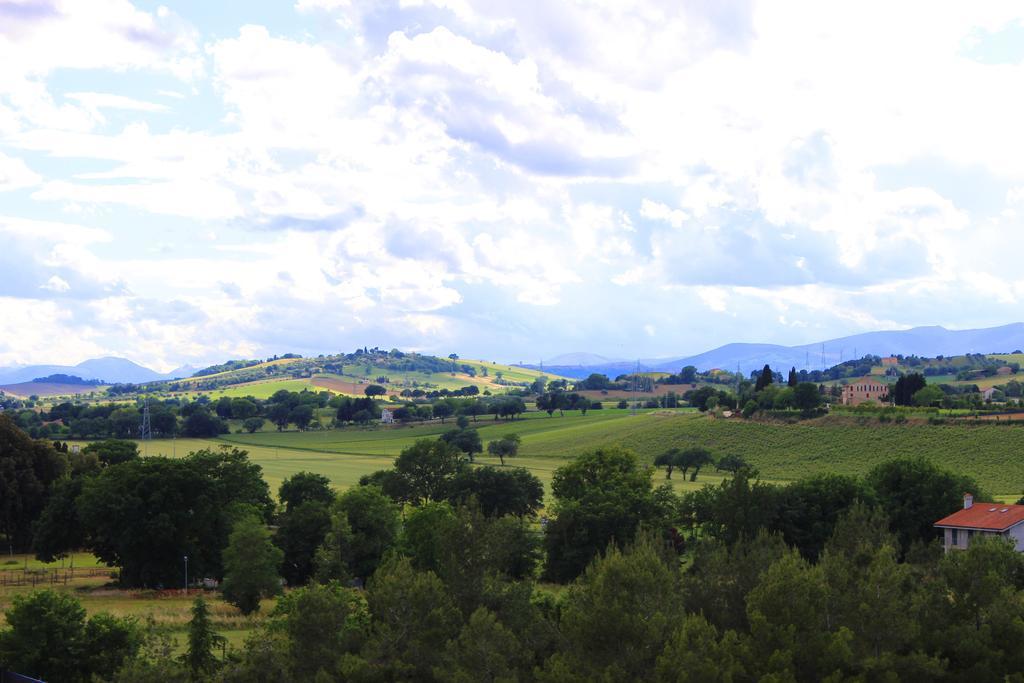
{"x": 169, "y": 610}
{"x": 1009, "y": 357}
{"x": 781, "y": 452}
{"x": 262, "y": 390}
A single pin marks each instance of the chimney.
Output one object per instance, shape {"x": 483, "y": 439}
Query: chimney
{"x": 968, "y": 501}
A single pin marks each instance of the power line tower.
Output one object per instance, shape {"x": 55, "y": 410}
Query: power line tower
{"x": 146, "y": 430}
{"x": 636, "y": 381}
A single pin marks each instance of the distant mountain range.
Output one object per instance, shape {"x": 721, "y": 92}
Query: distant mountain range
{"x": 921, "y": 341}
{"x": 109, "y": 370}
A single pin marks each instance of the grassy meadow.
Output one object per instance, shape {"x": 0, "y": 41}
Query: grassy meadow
{"x": 781, "y": 452}
{"x": 169, "y": 610}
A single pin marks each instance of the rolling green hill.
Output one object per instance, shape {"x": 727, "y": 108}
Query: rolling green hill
{"x": 781, "y": 452}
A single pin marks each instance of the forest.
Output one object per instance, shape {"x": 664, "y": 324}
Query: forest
{"x": 438, "y": 569}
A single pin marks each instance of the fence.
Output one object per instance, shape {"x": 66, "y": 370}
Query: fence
{"x": 48, "y": 577}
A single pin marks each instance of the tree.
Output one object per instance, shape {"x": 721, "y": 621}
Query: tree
{"x": 809, "y": 509}
{"x": 112, "y": 451}
{"x": 788, "y": 613}
{"x": 915, "y": 493}
{"x": 243, "y": 409}
{"x": 928, "y": 396}
{"x": 48, "y": 637}
{"x": 483, "y": 651}
{"x": 372, "y": 390}
{"x": 28, "y": 471}
{"x": 905, "y": 388}
{"x": 300, "y": 532}
{"x": 202, "y": 641}
{"x": 368, "y": 523}
{"x": 144, "y": 515}
{"x": 202, "y": 425}
{"x": 792, "y": 382}
{"x": 505, "y": 447}
{"x": 594, "y": 382}
{"x": 475, "y": 551}
{"x": 466, "y": 440}
{"x": 424, "y": 534}
{"x": 426, "y": 467}
{"x": 301, "y": 416}
{"x": 413, "y": 618}
{"x": 279, "y": 414}
{"x": 731, "y": 463}
{"x": 348, "y": 407}
{"x": 696, "y": 653}
{"x": 253, "y": 424}
{"x": 694, "y": 458}
{"x": 59, "y": 529}
{"x": 304, "y": 487}
{"x": 721, "y": 576}
{"x": 498, "y": 492}
{"x": 600, "y": 497}
{"x": 322, "y": 624}
{"x": 619, "y": 614}
{"x": 688, "y": 375}
{"x": 806, "y": 396}
{"x": 764, "y": 379}
{"x": 512, "y": 406}
{"x": 737, "y": 508}
{"x": 251, "y": 562}
{"x": 870, "y": 593}
{"x": 669, "y": 459}
{"x": 442, "y": 410}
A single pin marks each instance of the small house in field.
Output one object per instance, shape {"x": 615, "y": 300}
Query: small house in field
{"x": 890, "y": 361}
{"x": 387, "y": 417}
{"x": 982, "y": 519}
{"x": 987, "y": 394}
{"x": 864, "y": 390}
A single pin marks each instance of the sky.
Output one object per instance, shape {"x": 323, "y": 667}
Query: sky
{"x": 505, "y": 179}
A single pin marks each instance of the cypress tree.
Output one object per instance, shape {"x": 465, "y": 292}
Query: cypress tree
{"x": 202, "y": 640}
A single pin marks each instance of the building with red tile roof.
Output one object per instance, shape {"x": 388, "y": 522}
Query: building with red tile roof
{"x": 985, "y": 519}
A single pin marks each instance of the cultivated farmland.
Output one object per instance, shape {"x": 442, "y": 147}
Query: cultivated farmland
{"x": 781, "y": 452}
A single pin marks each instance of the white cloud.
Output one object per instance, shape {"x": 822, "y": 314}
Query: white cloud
{"x": 422, "y": 166}
{"x": 56, "y": 284}
{"x": 15, "y": 174}
{"x": 656, "y": 211}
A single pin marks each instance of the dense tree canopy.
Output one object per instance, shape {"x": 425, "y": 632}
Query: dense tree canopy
{"x": 601, "y": 497}
{"x": 145, "y": 515}
{"x": 29, "y": 471}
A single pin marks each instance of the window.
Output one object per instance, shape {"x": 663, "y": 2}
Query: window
{"x": 955, "y": 539}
